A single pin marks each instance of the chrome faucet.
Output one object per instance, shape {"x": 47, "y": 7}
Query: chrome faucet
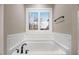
{"x": 22, "y": 47}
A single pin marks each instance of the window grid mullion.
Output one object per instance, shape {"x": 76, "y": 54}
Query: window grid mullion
{"x": 38, "y": 21}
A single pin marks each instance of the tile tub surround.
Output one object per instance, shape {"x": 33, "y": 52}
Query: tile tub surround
{"x": 15, "y": 40}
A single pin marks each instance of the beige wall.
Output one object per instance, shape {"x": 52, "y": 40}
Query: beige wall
{"x": 63, "y": 10}
{"x": 74, "y": 46}
{"x": 70, "y": 23}
{"x": 39, "y": 5}
{"x": 1, "y": 30}
{"x": 14, "y": 18}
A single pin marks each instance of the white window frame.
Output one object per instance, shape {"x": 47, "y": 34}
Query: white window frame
{"x": 37, "y": 10}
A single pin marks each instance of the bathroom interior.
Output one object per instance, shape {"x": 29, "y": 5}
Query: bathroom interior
{"x": 39, "y": 29}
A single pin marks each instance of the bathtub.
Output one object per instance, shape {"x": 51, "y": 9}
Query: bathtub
{"x": 39, "y": 44}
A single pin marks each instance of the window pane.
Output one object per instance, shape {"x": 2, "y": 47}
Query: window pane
{"x": 33, "y": 20}
{"x": 44, "y": 20}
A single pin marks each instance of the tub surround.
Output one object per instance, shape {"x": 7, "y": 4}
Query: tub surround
{"x": 60, "y": 39}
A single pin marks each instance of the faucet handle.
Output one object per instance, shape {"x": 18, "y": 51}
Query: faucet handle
{"x": 17, "y": 50}
{"x": 26, "y": 51}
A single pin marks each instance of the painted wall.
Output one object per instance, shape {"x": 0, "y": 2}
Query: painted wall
{"x": 74, "y": 30}
{"x": 63, "y": 10}
{"x": 14, "y": 18}
{"x": 78, "y": 28}
{"x": 1, "y": 30}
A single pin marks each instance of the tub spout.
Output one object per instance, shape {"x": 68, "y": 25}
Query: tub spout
{"x": 22, "y": 47}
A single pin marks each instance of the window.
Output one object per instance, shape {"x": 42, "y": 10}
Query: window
{"x": 44, "y": 20}
{"x": 33, "y": 21}
{"x": 39, "y": 19}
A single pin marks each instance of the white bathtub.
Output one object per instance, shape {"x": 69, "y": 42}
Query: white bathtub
{"x": 39, "y": 43}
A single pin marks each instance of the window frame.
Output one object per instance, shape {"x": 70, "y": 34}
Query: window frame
{"x": 37, "y": 10}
